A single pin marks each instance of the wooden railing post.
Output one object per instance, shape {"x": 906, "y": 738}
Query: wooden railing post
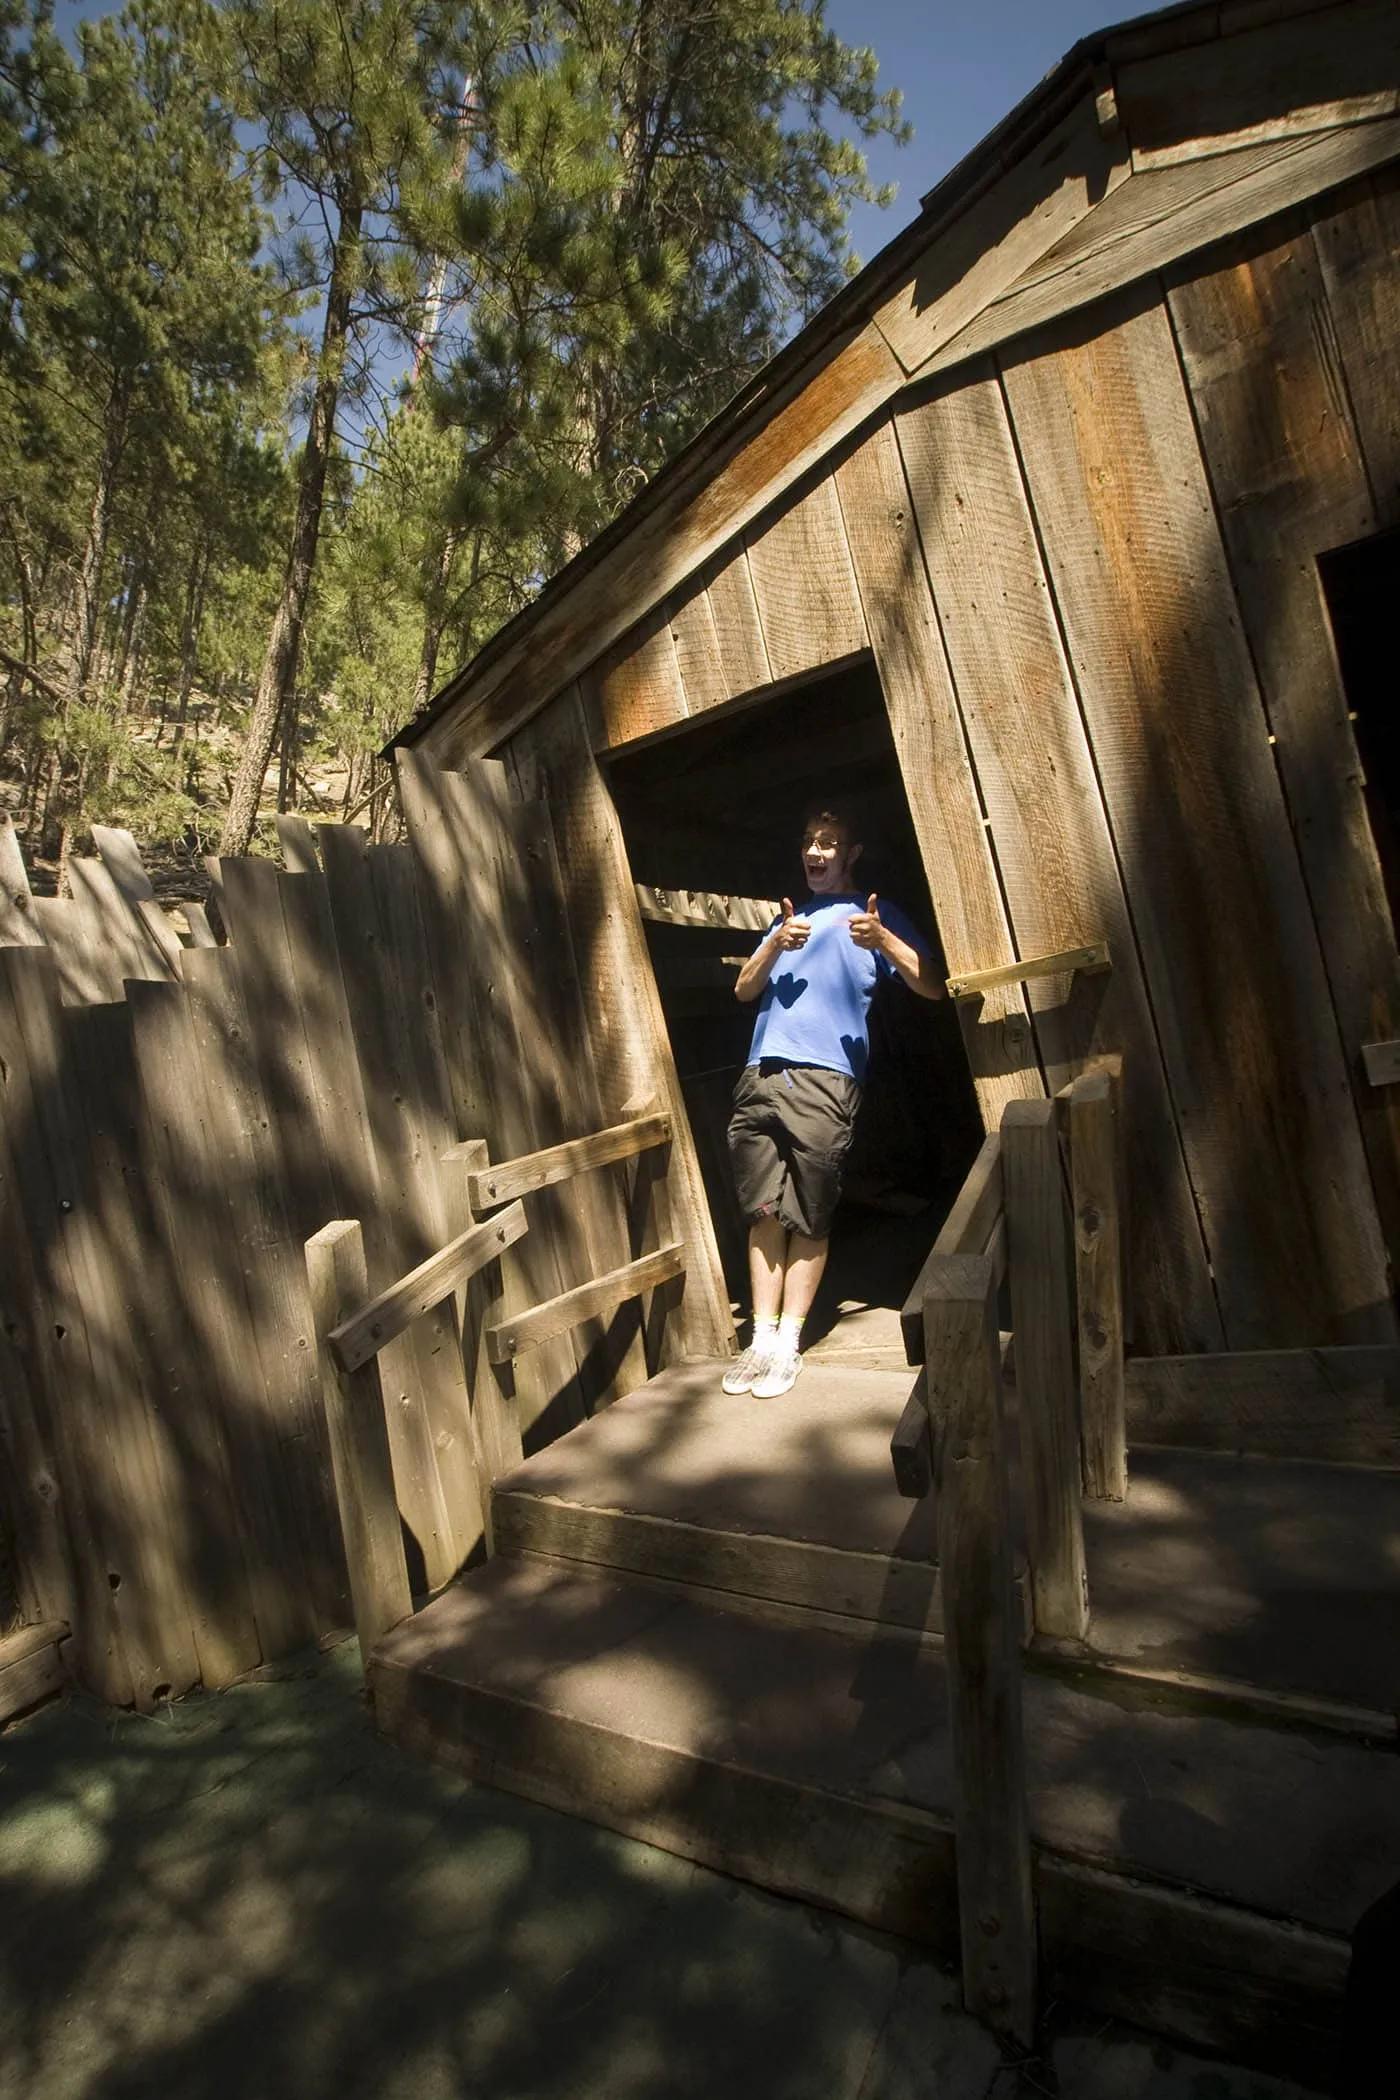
{"x": 359, "y": 1440}
{"x": 1098, "y": 1285}
{"x": 981, "y": 1632}
{"x": 1042, "y": 1317}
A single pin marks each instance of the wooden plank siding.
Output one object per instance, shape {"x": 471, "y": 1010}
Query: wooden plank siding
{"x": 808, "y": 602}
{"x": 1106, "y": 434}
{"x": 1358, "y": 244}
{"x": 1049, "y": 829}
{"x": 620, "y": 1018}
{"x": 1260, "y": 355}
{"x": 934, "y": 762}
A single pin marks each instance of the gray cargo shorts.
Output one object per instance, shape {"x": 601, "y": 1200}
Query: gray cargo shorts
{"x": 789, "y": 1135}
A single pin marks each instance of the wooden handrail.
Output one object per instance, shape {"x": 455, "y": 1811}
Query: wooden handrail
{"x": 369, "y": 1330}
{"x": 1093, "y": 955}
{"x": 967, "y": 1229}
{"x": 511, "y": 1338}
{"x": 488, "y": 1187}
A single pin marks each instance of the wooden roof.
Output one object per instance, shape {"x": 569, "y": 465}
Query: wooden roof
{"x": 1146, "y": 143}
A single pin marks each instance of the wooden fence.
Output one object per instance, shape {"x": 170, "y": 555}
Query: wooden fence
{"x": 177, "y": 1118}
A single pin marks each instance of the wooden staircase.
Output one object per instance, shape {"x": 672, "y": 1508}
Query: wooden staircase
{"x": 713, "y": 1626}
{"x": 717, "y": 1625}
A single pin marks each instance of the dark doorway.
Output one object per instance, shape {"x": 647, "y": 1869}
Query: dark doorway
{"x": 716, "y": 806}
{"x": 1362, "y": 587}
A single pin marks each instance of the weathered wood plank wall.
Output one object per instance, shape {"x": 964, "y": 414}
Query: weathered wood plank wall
{"x": 1085, "y": 568}
{"x": 165, "y": 1471}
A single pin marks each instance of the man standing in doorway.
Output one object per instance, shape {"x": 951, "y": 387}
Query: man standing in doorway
{"x": 813, "y": 974}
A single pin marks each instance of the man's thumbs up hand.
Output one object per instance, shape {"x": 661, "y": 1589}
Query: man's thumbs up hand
{"x": 791, "y": 932}
{"x": 867, "y": 929}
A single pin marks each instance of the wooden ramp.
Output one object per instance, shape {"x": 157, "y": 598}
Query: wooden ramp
{"x": 714, "y": 1625}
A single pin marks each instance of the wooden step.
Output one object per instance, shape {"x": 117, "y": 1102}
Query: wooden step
{"x": 1170, "y": 1845}
{"x": 1274, "y": 1573}
{"x": 787, "y": 1502}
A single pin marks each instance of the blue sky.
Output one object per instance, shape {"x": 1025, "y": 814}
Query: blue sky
{"x": 961, "y": 64}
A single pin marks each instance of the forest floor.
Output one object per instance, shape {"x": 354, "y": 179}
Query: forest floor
{"x": 250, "y": 1894}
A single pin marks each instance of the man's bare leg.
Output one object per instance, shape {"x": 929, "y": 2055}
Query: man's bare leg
{"x": 768, "y": 1260}
{"x": 805, "y": 1261}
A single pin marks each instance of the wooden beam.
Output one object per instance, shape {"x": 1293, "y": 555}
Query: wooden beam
{"x": 17, "y": 927}
{"x": 488, "y": 1186}
{"x": 359, "y": 1438}
{"x": 965, "y": 1230}
{"x": 511, "y": 1338}
{"x": 1041, "y": 1320}
{"x": 366, "y": 1332}
{"x": 197, "y": 919}
{"x": 121, "y": 857}
{"x": 31, "y": 1667}
{"x": 297, "y": 838}
{"x": 1339, "y": 1405}
{"x": 1098, "y": 1285}
{"x": 705, "y": 908}
{"x": 980, "y": 1631}
{"x": 1092, "y": 956}
{"x": 1382, "y": 1062}
{"x": 911, "y": 1446}
{"x": 1272, "y": 78}
{"x": 1165, "y": 214}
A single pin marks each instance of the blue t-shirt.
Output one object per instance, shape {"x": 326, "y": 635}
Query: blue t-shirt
{"x": 814, "y": 1006}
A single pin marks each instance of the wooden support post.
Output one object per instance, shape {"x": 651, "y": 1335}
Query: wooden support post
{"x": 359, "y": 1438}
{"x": 1041, "y": 1317}
{"x": 1093, "y": 1142}
{"x": 981, "y": 1625}
{"x": 495, "y": 1410}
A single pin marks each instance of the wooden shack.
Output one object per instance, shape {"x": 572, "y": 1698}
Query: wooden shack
{"x": 379, "y": 1253}
{"x": 1065, "y": 537}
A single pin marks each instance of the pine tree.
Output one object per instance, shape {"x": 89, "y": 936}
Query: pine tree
{"x": 357, "y": 104}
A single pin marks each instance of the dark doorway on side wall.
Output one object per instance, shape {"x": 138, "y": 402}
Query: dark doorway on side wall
{"x": 1361, "y": 583}
{"x": 716, "y": 806}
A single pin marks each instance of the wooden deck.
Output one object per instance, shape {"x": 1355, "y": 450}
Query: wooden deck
{"x": 713, "y": 1624}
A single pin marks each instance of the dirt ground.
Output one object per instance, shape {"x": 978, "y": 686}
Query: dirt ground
{"x": 251, "y": 1895}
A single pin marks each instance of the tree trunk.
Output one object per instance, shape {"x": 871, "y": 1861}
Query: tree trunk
{"x": 132, "y": 637}
{"x": 189, "y": 641}
{"x": 284, "y": 642}
{"x": 87, "y": 596}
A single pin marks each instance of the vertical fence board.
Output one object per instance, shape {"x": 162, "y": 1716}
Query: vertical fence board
{"x": 17, "y": 927}
{"x": 126, "y": 1484}
{"x": 384, "y": 965}
{"x": 39, "y": 1305}
{"x": 202, "y": 1347}
{"x": 359, "y": 1439}
{"x": 589, "y": 1215}
{"x": 625, "y": 1026}
{"x": 167, "y": 1624}
{"x": 475, "y": 883}
{"x": 281, "y": 1328}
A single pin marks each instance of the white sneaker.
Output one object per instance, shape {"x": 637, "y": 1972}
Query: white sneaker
{"x": 778, "y": 1376}
{"x": 740, "y": 1376}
